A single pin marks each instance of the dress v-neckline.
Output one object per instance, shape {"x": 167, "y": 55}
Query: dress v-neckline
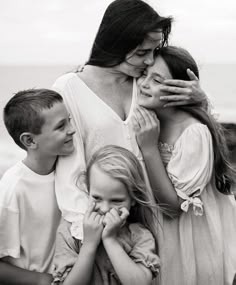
{"x": 111, "y": 110}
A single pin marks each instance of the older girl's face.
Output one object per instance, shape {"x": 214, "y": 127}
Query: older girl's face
{"x": 150, "y": 82}
{"x": 142, "y": 56}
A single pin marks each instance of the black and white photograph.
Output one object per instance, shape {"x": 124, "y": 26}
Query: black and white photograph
{"x": 118, "y": 142}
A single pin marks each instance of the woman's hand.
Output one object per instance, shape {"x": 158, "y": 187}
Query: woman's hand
{"x": 93, "y": 226}
{"x": 113, "y": 221}
{"x": 147, "y": 128}
{"x": 183, "y": 92}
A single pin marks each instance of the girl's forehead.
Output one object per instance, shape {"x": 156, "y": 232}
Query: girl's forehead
{"x": 159, "y": 67}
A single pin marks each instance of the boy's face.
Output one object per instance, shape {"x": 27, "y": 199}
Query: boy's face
{"x": 150, "y": 82}
{"x": 56, "y": 136}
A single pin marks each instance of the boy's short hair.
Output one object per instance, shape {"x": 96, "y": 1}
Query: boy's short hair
{"x": 22, "y": 113}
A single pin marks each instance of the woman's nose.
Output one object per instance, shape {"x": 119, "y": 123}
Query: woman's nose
{"x": 149, "y": 60}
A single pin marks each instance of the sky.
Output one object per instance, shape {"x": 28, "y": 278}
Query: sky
{"x": 56, "y": 32}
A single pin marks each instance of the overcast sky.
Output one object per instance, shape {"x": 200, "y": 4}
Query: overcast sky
{"x": 62, "y": 31}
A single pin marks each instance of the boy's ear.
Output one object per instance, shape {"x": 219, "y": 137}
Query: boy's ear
{"x": 27, "y": 139}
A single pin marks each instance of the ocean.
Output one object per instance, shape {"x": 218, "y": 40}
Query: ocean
{"x": 218, "y": 80}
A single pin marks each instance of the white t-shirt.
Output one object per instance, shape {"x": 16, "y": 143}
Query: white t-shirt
{"x": 29, "y": 217}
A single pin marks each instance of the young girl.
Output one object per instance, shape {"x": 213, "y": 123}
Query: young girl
{"x": 119, "y": 245}
{"x": 186, "y": 159}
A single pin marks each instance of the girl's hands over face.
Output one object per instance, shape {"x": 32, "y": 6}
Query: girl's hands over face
{"x": 93, "y": 226}
{"x": 183, "y": 92}
{"x": 147, "y": 128}
{"x": 113, "y": 221}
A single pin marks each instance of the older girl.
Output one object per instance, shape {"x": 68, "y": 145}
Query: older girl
{"x": 187, "y": 162}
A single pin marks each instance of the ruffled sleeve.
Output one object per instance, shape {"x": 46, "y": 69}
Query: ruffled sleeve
{"x": 66, "y": 253}
{"x": 144, "y": 249}
{"x": 191, "y": 164}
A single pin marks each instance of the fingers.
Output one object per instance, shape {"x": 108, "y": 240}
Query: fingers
{"x": 175, "y": 98}
{"x": 124, "y": 213}
{"x": 98, "y": 219}
{"x": 176, "y": 90}
{"x": 90, "y": 210}
{"x": 174, "y": 82}
{"x": 144, "y": 116}
{"x": 179, "y": 103}
{"x": 191, "y": 75}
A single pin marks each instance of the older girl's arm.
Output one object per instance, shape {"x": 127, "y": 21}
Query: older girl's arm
{"x": 147, "y": 128}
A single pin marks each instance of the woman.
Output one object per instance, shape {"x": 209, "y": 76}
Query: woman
{"x": 102, "y": 96}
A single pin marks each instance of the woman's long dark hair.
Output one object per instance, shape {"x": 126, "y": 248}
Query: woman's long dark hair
{"x": 178, "y": 61}
{"x": 124, "y": 26}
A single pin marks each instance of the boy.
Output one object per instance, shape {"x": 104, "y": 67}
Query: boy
{"x": 38, "y": 122}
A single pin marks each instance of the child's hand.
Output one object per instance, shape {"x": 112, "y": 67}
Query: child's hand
{"x": 93, "y": 226}
{"x": 147, "y": 128}
{"x": 113, "y": 221}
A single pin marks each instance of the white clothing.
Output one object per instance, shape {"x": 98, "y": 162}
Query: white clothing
{"x": 199, "y": 246}
{"x": 96, "y": 125}
{"x": 29, "y": 217}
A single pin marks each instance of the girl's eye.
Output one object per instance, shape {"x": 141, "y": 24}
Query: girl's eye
{"x": 60, "y": 127}
{"x": 117, "y": 201}
{"x": 141, "y": 53}
{"x": 157, "y": 81}
{"x": 97, "y": 199}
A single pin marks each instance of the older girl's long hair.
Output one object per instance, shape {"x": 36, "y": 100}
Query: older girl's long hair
{"x": 178, "y": 61}
{"x": 119, "y": 163}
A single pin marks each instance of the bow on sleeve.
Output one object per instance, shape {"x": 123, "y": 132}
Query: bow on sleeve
{"x": 195, "y": 201}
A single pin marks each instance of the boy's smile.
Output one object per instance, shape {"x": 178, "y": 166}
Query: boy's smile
{"x": 56, "y": 137}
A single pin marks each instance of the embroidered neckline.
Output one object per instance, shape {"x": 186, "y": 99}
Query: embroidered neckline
{"x": 166, "y": 147}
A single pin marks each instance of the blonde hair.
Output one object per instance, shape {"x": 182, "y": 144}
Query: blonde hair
{"x": 119, "y": 163}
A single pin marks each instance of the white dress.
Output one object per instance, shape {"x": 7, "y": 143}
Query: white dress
{"x": 198, "y": 247}
{"x": 96, "y": 125}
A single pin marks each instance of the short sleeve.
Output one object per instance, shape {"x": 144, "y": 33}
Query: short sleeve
{"x": 190, "y": 167}
{"x": 144, "y": 248}
{"x": 66, "y": 252}
{"x": 9, "y": 222}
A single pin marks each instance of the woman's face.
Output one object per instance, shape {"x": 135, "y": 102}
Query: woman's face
{"x": 142, "y": 56}
{"x": 150, "y": 82}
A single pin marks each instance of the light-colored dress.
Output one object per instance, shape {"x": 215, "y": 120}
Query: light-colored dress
{"x": 136, "y": 240}
{"x": 96, "y": 125}
{"x": 198, "y": 247}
